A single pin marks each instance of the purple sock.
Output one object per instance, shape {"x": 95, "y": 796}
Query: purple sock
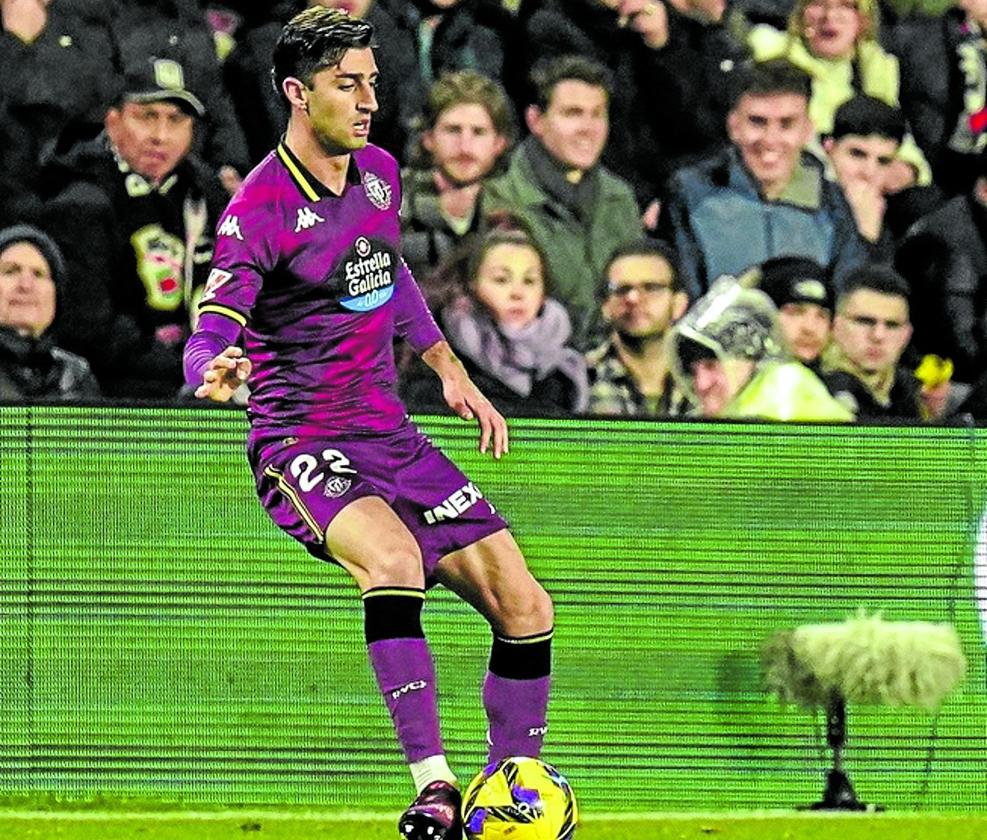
{"x": 515, "y": 695}
{"x": 406, "y": 676}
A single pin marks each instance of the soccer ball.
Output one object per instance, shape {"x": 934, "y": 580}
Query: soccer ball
{"x": 519, "y": 798}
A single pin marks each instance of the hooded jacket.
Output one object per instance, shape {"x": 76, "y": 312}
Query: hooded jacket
{"x": 734, "y": 321}
{"x": 35, "y": 367}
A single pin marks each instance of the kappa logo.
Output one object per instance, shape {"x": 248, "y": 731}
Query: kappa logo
{"x": 307, "y": 218}
{"x": 231, "y": 227}
{"x": 457, "y": 503}
{"x": 377, "y": 190}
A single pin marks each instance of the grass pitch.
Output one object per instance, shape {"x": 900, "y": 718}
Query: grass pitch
{"x": 270, "y": 825}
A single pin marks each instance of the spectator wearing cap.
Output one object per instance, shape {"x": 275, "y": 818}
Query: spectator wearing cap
{"x": 764, "y": 195}
{"x": 178, "y": 31}
{"x": 729, "y": 358}
{"x": 801, "y": 290}
{"x": 867, "y": 134}
{"x": 32, "y": 365}
{"x": 871, "y": 330}
{"x": 134, "y": 217}
{"x": 642, "y": 298}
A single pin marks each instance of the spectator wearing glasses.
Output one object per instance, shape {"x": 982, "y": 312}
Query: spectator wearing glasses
{"x": 871, "y": 329}
{"x": 642, "y": 297}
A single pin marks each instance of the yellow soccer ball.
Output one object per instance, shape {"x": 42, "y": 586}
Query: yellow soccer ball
{"x": 519, "y": 798}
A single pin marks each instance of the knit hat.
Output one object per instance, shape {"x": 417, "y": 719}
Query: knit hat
{"x": 792, "y": 279}
{"x": 40, "y": 240}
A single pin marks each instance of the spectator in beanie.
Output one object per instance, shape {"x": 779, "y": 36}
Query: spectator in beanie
{"x": 32, "y": 366}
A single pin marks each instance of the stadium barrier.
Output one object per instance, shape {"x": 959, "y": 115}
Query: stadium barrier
{"x": 162, "y": 639}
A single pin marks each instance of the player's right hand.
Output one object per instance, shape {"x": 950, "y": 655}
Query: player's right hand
{"x": 224, "y": 374}
{"x": 466, "y": 400}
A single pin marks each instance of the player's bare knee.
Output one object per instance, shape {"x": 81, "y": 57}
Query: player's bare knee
{"x": 542, "y": 610}
{"x": 522, "y": 610}
{"x": 398, "y": 565}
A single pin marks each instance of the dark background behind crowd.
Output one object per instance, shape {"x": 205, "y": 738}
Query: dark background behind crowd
{"x": 576, "y": 174}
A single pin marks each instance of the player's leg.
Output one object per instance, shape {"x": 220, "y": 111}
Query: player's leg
{"x": 381, "y": 555}
{"x": 336, "y": 501}
{"x": 491, "y": 575}
{"x": 368, "y": 540}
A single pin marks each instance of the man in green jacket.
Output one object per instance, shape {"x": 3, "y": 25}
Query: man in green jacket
{"x": 576, "y": 209}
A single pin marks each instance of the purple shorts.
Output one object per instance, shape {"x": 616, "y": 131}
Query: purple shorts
{"x": 304, "y": 482}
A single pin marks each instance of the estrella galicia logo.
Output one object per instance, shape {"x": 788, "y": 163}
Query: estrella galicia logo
{"x": 365, "y": 275}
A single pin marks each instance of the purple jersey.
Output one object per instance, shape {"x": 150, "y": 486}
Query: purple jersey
{"x": 317, "y": 283}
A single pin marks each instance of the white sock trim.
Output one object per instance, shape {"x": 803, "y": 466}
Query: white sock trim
{"x": 432, "y": 769}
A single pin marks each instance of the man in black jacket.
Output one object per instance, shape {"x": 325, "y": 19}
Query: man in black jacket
{"x": 134, "y": 213}
{"x": 944, "y": 258}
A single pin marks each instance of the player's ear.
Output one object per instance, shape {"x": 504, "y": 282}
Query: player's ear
{"x": 296, "y": 93}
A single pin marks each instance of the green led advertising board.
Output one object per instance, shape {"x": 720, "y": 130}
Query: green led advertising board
{"x": 161, "y": 638}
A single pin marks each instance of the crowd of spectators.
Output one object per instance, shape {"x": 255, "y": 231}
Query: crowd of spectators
{"x": 652, "y": 208}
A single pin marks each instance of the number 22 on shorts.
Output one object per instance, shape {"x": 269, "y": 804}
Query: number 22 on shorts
{"x": 304, "y": 468}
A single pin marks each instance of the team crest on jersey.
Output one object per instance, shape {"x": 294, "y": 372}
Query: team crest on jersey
{"x": 364, "y": 277}
{"x": 377, "y": 190}
{"x": 336, "y": 486}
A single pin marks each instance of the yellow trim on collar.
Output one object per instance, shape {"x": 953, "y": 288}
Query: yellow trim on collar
{"x": 297, "y": 174}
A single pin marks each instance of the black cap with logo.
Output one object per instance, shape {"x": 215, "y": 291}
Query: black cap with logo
{"x": 793, "y": 279}
{"x": 156, "y": 79}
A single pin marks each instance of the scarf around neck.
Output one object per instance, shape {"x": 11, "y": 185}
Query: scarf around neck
{"x": 519, "y": 358}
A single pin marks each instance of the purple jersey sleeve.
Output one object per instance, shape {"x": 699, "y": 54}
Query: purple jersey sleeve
{"x": 412, "y": 319}
{"x": 239, "y": 263}
{"x": 310, "y": 283}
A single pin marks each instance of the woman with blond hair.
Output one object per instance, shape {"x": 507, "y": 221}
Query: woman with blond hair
{"x": 835, "y": 42}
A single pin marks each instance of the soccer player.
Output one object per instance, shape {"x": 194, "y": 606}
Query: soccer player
{"x": 307, "y": 269}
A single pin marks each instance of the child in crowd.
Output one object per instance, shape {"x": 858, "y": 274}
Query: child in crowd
{"x": 510, "y": 334}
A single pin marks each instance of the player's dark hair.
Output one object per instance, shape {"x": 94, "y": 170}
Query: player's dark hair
{"x": 767, "y": 78}
{"x": 864, "y": 116}
{"x": 646, "y": 247}
{"x": 876, "y": 278}
{"x": 549, "y": 73}
{"x": 469, "y": 87}
{"x": 314, "y": 40}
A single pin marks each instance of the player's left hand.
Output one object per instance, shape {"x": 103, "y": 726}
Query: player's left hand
{"x": 466, "y": 400}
